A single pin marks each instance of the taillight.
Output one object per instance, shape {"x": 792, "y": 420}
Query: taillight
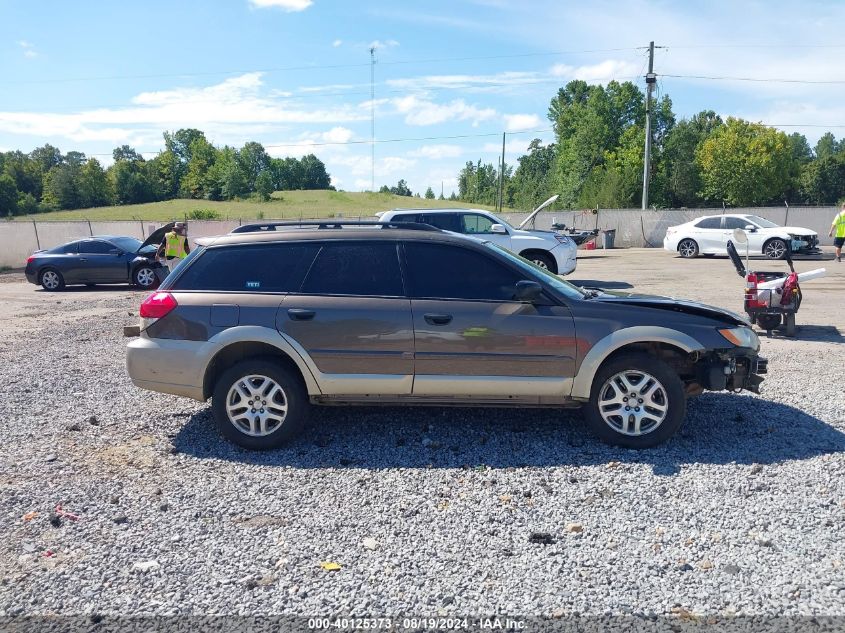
{"x": 157, "y": 305}
{"x": 30, "y": 258}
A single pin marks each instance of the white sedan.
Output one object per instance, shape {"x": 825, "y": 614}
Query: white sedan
{"x": 709, "y": 235}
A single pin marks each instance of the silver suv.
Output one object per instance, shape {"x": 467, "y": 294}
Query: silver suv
{"x": 274, "y": 319}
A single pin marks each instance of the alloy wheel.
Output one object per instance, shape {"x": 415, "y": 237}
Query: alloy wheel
{"x": 145, "y": 277}
{"x": 775, "y": 249}
{"x": 633, "y": 403}
{"x": 50, "y": 280}
{"x": 256, "y": 405}
{"x": 687, "y": 248}
{"x": 540, "y": 263}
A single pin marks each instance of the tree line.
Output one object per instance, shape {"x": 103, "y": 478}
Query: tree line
{"x": 189, "y": 167}
{"x": 597, "y": 160}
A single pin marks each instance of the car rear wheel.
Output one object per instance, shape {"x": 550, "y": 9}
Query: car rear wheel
{"x": 637, "y": 401}
{"x": 259, "y": 404}
{"x": 144, "y": 277}
{"x": 688, "y": 248}
{"x": 775, "y": 249}
{"x": 51, "y": 280}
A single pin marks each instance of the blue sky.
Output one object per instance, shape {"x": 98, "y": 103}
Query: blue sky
{"x": 295, "y": 75}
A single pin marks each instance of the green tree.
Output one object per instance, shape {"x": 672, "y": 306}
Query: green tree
{"x": 314, "y": 174}
{"x": 95, "y": 188}
{"x": 46, "y": 157}
{"x": 745, "y": 164}
{"x": 532, "y": 181}
{"x": 25, "y": 171}
{"x": 252, "y": 159}
{"x": 226, "y": 179}
{"x": 823, "y": 180}
{"x": 401, "y": 189}
{"x": 130, "y": 177}
{"x": 27, "y": 204}
{"x": 682, "y": 176}
{"x": 264, "y": 185}
{"x": 196, "y": 183}
{"x": 828, "y": 146}
{"x": 61, "y": 187}
{"x": 8, "y": 195}
{"x": 429, "y": 194}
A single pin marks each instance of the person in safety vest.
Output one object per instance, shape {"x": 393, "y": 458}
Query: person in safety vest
{"x": 838, "y": 226}
{"x": 175, "y": 247}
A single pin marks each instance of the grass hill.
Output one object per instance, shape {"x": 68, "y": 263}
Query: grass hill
{"x": 283, "y": 205}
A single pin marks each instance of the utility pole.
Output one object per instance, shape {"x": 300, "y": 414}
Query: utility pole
{"x": 501, "y": 176}
{"x": 650, "y": 80}
{"x": 373, "y": 117}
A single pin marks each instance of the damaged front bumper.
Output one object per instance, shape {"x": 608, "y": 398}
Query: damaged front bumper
{"x": 732, "y": 370}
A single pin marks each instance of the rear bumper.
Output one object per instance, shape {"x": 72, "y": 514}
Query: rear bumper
{"x": 167, "y": 366}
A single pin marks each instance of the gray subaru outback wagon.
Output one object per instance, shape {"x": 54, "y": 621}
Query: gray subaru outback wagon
{"x": 272, "y": 320}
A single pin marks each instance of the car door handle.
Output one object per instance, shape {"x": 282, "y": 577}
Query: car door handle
{"x": 83, "y": 259}
{"x": 438, "y": 319}
{"x": 301, "y": 314}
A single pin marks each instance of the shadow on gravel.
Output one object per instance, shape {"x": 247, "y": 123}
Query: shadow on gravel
{"x": 720, "y": 429}
{"x": 816, "y": 333}
{"x": 83, "y": 289}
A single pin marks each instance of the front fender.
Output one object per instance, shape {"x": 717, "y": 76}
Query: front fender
{"x": 583, "y": 383}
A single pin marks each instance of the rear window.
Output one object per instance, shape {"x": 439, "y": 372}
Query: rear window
{"x": 249, "y": 268}
{"x": 710, "y": 223}
{"x": 357, "y": 268}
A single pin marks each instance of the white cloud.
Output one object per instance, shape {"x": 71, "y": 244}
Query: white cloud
{"x": 436, "y": 152}
{"x": 602, "y": 72}
{"x": 337, "y": 43}
{"x": 28, "y": 49}
{"x": 497, "y": 82}
{"x": 420, "y": 111}
{"x": 230, "y": 109}
{"x": 337, "y": 135}
{"x": 518, "y": 122}
{"x": 378, "y": 44}
{"x": 284, "y": 5}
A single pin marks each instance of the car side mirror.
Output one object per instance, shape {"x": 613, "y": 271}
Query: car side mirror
{"x": 499, "y": 229}
{"x": 527, "y": 291}
{"x": 750, "y": 228}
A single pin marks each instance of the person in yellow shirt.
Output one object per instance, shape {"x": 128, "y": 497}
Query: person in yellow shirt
{"x": 175, "y": 247}
{"x": 838, "y": 226}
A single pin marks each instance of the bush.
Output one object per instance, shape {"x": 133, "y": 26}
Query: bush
{"x": 203, "y": 214}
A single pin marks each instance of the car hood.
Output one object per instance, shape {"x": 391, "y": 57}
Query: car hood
{"x": 797, "y": 230}
{"x": 673, "y": 305}
{"x": 156, "y": 236}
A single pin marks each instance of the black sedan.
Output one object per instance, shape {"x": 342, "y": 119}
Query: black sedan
{"x": 100, "y": 259}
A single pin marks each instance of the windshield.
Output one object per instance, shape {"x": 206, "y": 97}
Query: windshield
{"x": 568, "y": 289}
{"x": 763, "y": 223}
{"x": 501, "y": 221}
{"x": 126, "y": 244}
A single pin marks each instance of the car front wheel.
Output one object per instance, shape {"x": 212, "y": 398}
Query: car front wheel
{"x": 637, "y": 401}
{"x": 144, "y": 277}
{"x": 775, "y": 249}
{"x": 259, "y": 404}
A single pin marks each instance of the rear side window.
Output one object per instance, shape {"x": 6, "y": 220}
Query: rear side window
{"x": 439, "y": 271}
{"x": 95, "y": 247}
{"x": 445, "y": 221}
{"x": 361, "y": 268}
{"x": 406, "y": 217}
{"x": 710, "y": 223}
{"x": 73, "y": 247}
{"x": 277, "y": 267}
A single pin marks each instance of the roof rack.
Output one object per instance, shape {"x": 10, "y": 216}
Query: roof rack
{"x": 332, "y": 224}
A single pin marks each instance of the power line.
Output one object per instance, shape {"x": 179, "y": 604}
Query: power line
{"x": 759, "y": 79}
{"x": 313, "y": 67}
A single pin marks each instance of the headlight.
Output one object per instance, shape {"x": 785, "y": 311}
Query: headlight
{"x": 741, "y": 337}
{"x": 561, "y": 238}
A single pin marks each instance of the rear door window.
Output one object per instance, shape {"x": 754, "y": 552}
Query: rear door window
{"x": 445, "y": 221}
{"x": 406, "y": 217}
{"x": 274, "y": 267}
{"x": 355, "y": 268}
{"x": 439, "y": 271}
{"x": 710, "y": 223}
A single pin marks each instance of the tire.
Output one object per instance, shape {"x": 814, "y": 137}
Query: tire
{"x": 51, "y": 280}
{"x": 144, "y": 277}
{"x": 687, "y": 248}
{"x": 768, "y": 322}
{"x": 668, "y": 395}
{"x": 275, "y": 432}
{"x": 775, "y": 249}
{"x": 542, "y": 260}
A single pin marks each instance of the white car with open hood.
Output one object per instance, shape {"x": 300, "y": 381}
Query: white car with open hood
{"x": 548, "y": 249}
{"x": 710, "y": 234}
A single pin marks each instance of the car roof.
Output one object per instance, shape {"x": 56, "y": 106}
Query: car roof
{"x": 341, "y": 234}
{"x": 446, "y": 210}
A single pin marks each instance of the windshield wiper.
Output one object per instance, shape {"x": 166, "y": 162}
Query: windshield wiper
{"x": 591, "y": 293}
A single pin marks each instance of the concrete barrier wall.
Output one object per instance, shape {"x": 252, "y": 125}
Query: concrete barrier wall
{"x": 634, "y": 228}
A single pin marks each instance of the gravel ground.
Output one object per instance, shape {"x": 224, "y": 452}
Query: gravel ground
{"x": 426, "y": 511}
